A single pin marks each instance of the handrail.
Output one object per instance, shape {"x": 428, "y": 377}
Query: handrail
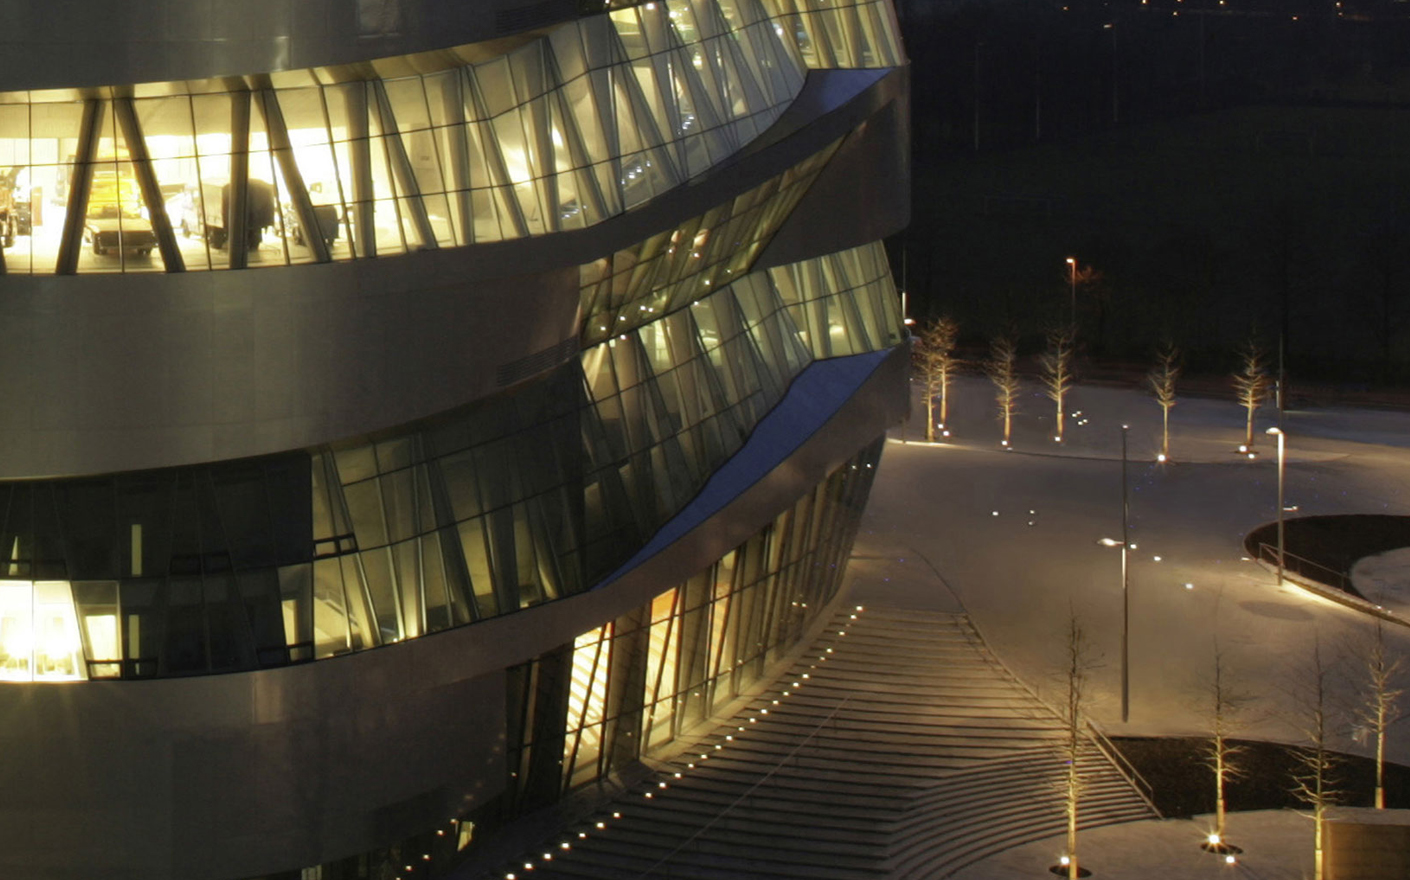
{"x": 1143, "y": 789}
{"x": 747, "y": 793}
{"x": 1123, "y": 766}
{"x": 1342, "y": 578}
{"x": 1345, "y": 594}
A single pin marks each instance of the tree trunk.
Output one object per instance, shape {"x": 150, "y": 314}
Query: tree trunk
{"x": 944, "y": 397}
{"x": 1072, "y": 869}
{"x": 1318, "y": 856}
{"x": 1219, "y": 790}
{"x": 1380, "y": 757}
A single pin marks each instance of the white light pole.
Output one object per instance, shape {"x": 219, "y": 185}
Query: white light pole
{"x": 1278, "y": 432}
{"x": 1072, "y": 267}
{"x": 1115, "y": 115}
{"x": 1125, "y": 590}
{"x": 1125, "y": 545}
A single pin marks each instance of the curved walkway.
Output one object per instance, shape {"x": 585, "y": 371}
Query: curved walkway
{"x": 898, "y": 746}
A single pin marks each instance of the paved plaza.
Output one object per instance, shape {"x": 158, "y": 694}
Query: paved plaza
{"x": 989, "y": 552}
{"x": 1014, "y": 537}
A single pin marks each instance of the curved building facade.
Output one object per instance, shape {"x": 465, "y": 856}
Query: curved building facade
{"x": 416, "y": 413}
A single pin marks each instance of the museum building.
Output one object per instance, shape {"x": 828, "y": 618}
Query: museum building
{"x": 417, "y": 409}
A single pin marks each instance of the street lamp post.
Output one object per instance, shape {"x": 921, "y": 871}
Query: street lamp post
{"x": 1072, "y": 267}
{"x": 1115, "y": 114}
{"x": 1125, "y": 545}
{"x": 1125, "y": 590}
{"x": 1278, "y": 432}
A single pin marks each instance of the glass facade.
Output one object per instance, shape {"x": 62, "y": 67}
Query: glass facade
{"x": 499, "y": 506}
{"x": 633, "y": 684}
{"x": 465, "y": 145}
{"x": 672, "y": 269}
{"x": 637, "y": 682}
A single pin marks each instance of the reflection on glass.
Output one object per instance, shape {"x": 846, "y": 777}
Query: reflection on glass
{"x": 559, "y": 133}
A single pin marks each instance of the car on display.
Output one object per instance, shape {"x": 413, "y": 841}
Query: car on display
{"x": 116, "y": 221}
{"x": 328, "y": 223}
{"x": 203, "y": 211}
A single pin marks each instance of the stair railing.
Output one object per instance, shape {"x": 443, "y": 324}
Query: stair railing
{"x": 1125, "y": 768}
{"x": 748, "y": 793}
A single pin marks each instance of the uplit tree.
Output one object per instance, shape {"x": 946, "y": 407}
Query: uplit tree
{"x": 1379, "y": 700}
{"x": 1002, "y": 368}
{"x": 1225, "y": 704}
{"x": 1251, "y": 384}
{"x": 1313, "y": 779}
{"x": 1162, "y": 378}
{"x": 1077, "y": 663}
{"x": 936, "y": 361}
{"x": 1057, "y": 371}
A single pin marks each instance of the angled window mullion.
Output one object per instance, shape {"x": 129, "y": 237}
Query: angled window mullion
{"x": 755, "y": 96}
{"x": 494, "y": 160}
{"x": 85, "y": 155}
{"x": 701, "y": 95}
{"x": 577, "y": 152}
{"x": 147, "y": 181}
{"x": 660, "y": 64}
{"x": 339, "y": 185}
{"x": 536, "y": 116}
{"x": 283, "y": 151}
{"x": 458, "y": 153}
{"x": 604, "y": 100}
{"x": 360, "y": 157}
{"x": 648, "y": 134}
{"x": 401, "y": 168}
{"x": 534, "y": 127}
{"x": 851, "y": 29}
{"x": 236, "y": 209}
{"x": 655, "y": 680}
{"x": 721, "y": 76}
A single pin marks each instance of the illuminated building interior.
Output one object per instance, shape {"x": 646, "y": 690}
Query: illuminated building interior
{"x": 578, "y": 462}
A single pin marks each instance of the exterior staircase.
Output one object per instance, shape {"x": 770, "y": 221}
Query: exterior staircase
{"x": 897, "y": 746}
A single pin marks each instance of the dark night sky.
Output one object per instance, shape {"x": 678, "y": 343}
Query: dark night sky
{"x": 1252, "y": 173}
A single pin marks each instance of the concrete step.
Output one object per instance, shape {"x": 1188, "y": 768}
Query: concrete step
{"x": 909, "y": 748}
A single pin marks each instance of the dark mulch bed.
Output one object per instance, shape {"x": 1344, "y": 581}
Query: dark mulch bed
{"x": 1184, "y": 785}
{"x": 1331, "y": 543}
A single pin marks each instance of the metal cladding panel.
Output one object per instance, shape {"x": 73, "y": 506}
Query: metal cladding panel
{"x": 863, "y": 195}
{"x": 238, "y": 775}
{"x": 116, "y": 373}
{"x": 48, "y": 44}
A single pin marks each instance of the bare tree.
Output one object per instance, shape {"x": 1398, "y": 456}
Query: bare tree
{"x": 1379, "y": 699}
{"x": 1162, "y": 379}
{"x": 1002, "y": 368}
{"x": 1313, "y": 779}
{"x": 1077, "y": 663}
{"x": 935, "y": 359}
{"x": 1057, "y": 370}
{"x": 1225, "y": 704}
{"x": 1251, "y": 384}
